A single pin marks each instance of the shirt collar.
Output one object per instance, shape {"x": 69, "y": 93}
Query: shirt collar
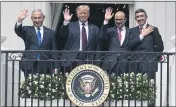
{"x": 144, "y": 26}
{"x": 86, "y": 24}
{"x": 123, "y": 28}
{"x": 41, "y": 28}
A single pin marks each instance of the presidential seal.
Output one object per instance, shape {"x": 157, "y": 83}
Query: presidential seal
{"x": 87, "y": 85}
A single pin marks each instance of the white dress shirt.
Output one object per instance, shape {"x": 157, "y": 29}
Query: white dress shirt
{"x": 80, "y": 25}
{"x": 123, "y": 33}
{"x": 143, "y": 27}
{"x": 41, "y": 31}
{"x": 87, "y": 33}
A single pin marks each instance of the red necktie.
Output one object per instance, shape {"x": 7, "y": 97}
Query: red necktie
{"x": 84, "y": 37}
{"x": 120, "y": 34}
{"x": 140, "y": 29}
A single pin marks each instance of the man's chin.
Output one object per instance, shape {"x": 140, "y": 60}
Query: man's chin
{"x": 141, "y": 24}
{"x": 37, "y": 25}
{"x": 83, "y": 21}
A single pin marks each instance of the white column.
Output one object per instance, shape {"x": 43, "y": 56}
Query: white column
{"x": 172, "y": 94}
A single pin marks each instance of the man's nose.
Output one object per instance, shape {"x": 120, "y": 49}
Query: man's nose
{"x": 140, "y": 18}
{"x": 82, "y": 15}
{"x": 118, "y": 21}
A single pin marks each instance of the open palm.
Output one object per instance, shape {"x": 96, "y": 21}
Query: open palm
{"x": 108, "y": 14}
{"x": 23, "y": 15}
{"x": 67, "y": 15}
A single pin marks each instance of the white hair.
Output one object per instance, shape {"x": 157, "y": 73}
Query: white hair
{"x": 38, "y": 10}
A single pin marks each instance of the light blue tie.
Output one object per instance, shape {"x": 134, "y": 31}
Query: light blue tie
{"x": 39, "y": 40}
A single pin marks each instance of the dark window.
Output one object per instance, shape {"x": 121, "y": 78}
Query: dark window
{"x": 97, "y": 12}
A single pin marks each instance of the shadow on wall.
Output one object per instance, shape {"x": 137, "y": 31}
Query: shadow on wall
{"x": 3, "y": 38}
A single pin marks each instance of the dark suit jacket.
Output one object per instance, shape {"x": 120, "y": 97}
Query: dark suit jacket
{"x": 29, "y": 36}
{"x": 111, "y": 35}
{"x": 151, "y": 43}
{"x": 71, "y": 33}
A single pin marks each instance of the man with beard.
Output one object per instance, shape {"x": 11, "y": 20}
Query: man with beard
{"x": 118, "y": 40}
{"x": 147, "y": 39}
{"x": 80, "y": 36}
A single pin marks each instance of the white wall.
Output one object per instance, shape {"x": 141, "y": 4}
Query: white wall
{"x": 9, "y": 14}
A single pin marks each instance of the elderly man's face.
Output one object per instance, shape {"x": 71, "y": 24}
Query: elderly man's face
{"x": 83, "y": 14}
{"x": 120, "y": 19}
{"x": 37, "y": 18}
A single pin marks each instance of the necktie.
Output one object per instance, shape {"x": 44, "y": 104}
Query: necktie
{"x": 140, "y": 29}
{"x": 39, "y": 41}
{"x": 39, "y": 36}
{"x": 120, "y": 34}
{"x": 84, "y": 37}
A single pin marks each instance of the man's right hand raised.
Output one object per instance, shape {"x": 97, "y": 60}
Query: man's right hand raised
{"x": 108, "y": 14}
{"x": 23, "y": 15}
{"x": 67, "y": 16}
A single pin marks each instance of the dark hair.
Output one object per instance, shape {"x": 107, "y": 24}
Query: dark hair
{"x": 141, "y": 10}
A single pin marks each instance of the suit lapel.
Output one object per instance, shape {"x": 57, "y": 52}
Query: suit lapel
{"x": 45, "y": 35}
{"x": 126, "y": 37}
{"x": 116, "y": 34}
{"x": 89, "y": 34}
{"x": 76, "y": 30}
{"x": 137, "y": 31}
{"x": 147, "y": 25}
{"x": 34, "y": 38}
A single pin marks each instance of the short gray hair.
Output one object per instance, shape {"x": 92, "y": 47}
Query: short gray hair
{"x": 38, "y": 10}
{"x": 141, "y": 10}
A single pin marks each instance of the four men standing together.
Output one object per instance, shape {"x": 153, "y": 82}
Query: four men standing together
{"x": 84, "y": 36}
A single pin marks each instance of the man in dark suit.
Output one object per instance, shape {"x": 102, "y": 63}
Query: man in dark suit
{"x": 36, "y": 37}
{"x": 118, "y": 38}
{"x": 147, "y": 39}
{"x": 80, "y": 35}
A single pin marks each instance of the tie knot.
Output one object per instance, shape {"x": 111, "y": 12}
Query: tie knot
{"x": 83, "y": 24}
{"x": 120, "y": 29}
{"x": 38, "y": 28}
{"x": 140, "y": 27}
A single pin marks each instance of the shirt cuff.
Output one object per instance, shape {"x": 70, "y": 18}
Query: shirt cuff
{"x": 141, "y": 37}
{"x": 66, "y": 22}
{"x": 18, "y": 24}
{"x": 106, "y": 22}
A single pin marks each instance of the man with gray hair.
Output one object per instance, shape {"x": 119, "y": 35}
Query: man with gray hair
{"x": 80, "y": 35}
{"x": 36, "y": 37}
{"x": 147, "y": 39}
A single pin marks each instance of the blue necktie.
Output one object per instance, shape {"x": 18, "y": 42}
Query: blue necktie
{"x": 39, "y": 36}
{"x": 39, "y": 40}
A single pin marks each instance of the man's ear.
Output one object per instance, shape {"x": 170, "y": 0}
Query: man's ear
{"x": 146, "y": 17}
{"x": 125, "y": 20}
{"x": 43, "y": 17}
